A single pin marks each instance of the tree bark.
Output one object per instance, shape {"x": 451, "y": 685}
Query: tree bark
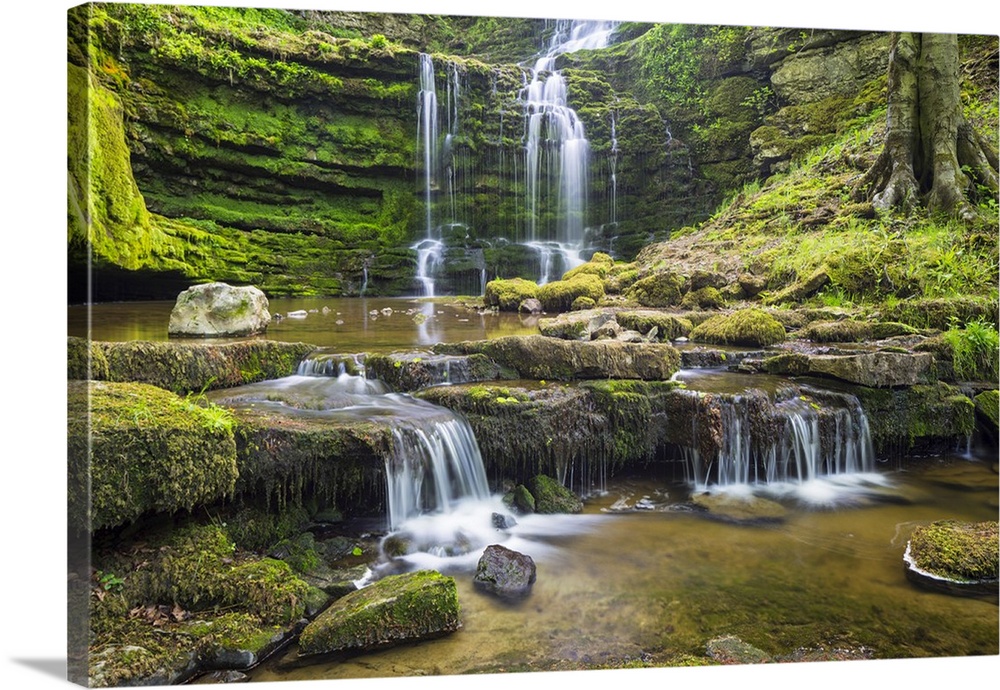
{"x": 928, "y": 144}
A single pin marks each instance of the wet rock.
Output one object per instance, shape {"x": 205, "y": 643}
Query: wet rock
{"x": 219, "y": 677}
{"x": 668, "y": 326}
{"x": 988, "y": 412}
{"x": 520, "y": 500}
{"x": 504, "y": 572}
{"x": 552, "y": 497}
{"x": 393, "y": 610}
{"x": 501, "y": 521}
{"x": 742, "y": 509}
{"x": 532, "y": 305}
{"x": 730, "y": 649}
{"x": 540, "y": 357}
{"x": 576, "y": 325}
{"x": 219, "y": 310}
{"x": 954, "y": 557}
{"x": 410, "y": 371}
{"x": 875, "y": 369}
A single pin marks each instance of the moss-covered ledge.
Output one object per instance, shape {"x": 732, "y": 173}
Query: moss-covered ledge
{"x": 540, "y": 357}
{"x": 954, "y": 557}
{"x": 137, "y": 448}
{"x": 184, "y": 367}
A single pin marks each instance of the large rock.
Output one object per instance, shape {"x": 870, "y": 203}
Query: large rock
{"x": 505, "y": 572}
{"x": 954, "y": 557}
{"x": 875, "y": 369}
{"x": 576, "y": 325}
{"x": 539, "y": 357}
{"x": 395, "y": 609}
{"x": 552, "y": 497}
{"x": 219, "y": 310}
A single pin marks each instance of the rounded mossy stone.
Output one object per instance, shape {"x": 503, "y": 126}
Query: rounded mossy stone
{"x": 559, "y": 295}
{"x": 552, "y": 497}
{"x": 395, "y": 609}
{"x": 149, "y": 450}
{"x": 957, "y": 551}
{"x": 507, "y": 293}
{"x": 707, "y": 297}
{"x": 583, "y": 303}
{"x": 661, "y": 289}
{"x": 600, "y": 265}
{"x": 744, "y": 327}
{"x": 520, "y": 500}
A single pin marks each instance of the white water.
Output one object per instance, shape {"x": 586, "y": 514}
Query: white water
{"x": 556, "y": 150}
{"x": 819, "y": 459}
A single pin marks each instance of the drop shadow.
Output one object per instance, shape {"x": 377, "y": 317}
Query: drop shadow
{"x": 50, "y": 667}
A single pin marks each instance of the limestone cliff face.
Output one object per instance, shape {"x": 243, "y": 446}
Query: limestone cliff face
{"x": 280, "y": 148}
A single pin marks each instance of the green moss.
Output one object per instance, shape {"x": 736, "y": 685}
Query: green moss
{"x": 252, "y": 528}
{"x": 988, "y": 410}
{"x": 707, "y": 297}
{"x": 600, "y": 264}
{"x": 85, "y": 360}
{"x": 966, "y": 552}
{"x": 975, "y": 351}
{"x": 927, "y": 417}
{"x": 744, "y": 327}
{"x": 507, "y": 294}
{"x": 393, "y": 609}
{"x": 582, "y": 303}
{"x": 552, "y": 497}
{"x": 149, "y": 450}
{"x": 662, "y": 289}
{"x": 559, "y": 295}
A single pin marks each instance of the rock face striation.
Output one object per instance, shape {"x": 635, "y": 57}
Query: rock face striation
{"x": 219, "y": 310}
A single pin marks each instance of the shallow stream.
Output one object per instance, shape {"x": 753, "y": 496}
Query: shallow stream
{"x": 639, "y": 576}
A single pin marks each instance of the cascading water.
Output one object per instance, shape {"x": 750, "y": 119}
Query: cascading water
{"x": 555, "y": 142}
{"x": 801, "y": 444}
{"x": 429, "y": 249}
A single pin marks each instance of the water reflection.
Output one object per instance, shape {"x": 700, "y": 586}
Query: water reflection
{"x": 356, "y": 324}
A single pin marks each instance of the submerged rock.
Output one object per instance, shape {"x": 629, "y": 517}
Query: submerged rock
{"x": 742, "y": 509}
{"x": 504, "y": 572}
{"x": 396, "y": 609}
{"x": 219, "y": 310}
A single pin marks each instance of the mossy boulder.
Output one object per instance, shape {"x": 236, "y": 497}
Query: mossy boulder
{"x": 560, "y": 295}
{"x": 752, "y": 327}
{"x": 393, "y": 610}
{"x": 539, "y": 357}
{"x": 507, "y": 294}
{"x": 600, "y": 264}
{"x": 707, "y": 297}
{"x": 957, "y": 557}
{"x": 520, "y": 500}
{"x": 410, "y": 371}
{"x": 145, "y": 449}
{"x": 183, "y": 599}
{"x": 552, "y": 497}
{"x": 662, "y": 289}
{"x": 924, "y": 417}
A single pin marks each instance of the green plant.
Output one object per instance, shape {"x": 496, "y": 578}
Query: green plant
{"x": 379, "y": 41}
{"x": 975, "y": 351}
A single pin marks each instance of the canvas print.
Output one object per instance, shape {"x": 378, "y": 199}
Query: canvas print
{"x": 411, "y": 344}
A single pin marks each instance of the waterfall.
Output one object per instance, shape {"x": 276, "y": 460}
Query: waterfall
{"x": 555, "y": 142}
{"x": 795, "y": 440}
{"x": 429, "y": 249}
{"x": 613, "y": 161}
{"x": 434, "y": 466}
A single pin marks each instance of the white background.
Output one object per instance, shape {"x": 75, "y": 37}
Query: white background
{"x": 33, "y": 227}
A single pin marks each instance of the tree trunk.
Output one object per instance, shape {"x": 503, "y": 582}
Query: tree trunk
{"x": 928, "y": 145}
